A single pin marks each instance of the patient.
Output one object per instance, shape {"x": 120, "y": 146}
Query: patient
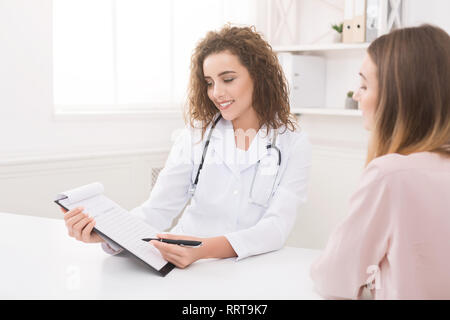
{"x": 395, "y": 242}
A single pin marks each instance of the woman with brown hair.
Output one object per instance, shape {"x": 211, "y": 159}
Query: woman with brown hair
{"x": 241, "y": 161}
{"x": 396, "y": 241}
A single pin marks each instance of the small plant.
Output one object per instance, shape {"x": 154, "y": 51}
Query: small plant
{"x": 350, "y": 103}
{"x": 338, "y": 27}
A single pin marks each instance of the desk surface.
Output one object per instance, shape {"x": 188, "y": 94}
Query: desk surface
{"x": 40, "y": 261}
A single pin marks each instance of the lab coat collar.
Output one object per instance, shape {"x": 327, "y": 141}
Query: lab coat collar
{"x": 223, "y": 143}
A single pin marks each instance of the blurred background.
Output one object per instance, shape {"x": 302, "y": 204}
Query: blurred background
{"x": 94, "y": 90}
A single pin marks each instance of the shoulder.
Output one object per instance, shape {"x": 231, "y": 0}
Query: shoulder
{"x": 391, "y": 166}
{"x": 294, "y": 139}
{"x": 295, "y": 145}
{"x": 394, "y": 163}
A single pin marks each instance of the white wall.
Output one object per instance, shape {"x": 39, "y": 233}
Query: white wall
{"x": 339, "y": 145}
{"x": 430, "y": 11}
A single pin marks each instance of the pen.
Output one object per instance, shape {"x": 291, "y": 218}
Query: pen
{"x": 178, "y": 242}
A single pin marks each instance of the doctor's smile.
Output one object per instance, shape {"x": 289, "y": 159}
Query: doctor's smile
{"x": 225, "y": 105}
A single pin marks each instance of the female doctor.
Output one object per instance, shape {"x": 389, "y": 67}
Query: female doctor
{"x": 241, "y": 161}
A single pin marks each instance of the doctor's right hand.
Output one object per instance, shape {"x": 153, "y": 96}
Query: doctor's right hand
{"x": 80, "y": 226}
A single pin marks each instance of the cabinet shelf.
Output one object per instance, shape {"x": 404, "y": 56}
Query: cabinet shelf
{"x": 322, "y": 47}
{"x": 327, "y": 111}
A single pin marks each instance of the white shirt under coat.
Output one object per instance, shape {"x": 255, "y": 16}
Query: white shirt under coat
{"x": 220, "y": 205}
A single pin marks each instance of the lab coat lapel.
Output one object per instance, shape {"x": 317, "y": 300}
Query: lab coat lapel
{"x": 224, "y": 146}
{"x": 257, "y": 149}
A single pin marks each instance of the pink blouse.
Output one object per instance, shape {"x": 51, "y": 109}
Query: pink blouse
{"x": 396, "y": 239}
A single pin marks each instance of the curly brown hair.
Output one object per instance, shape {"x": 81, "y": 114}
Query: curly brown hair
{"x": 271, "y": 92}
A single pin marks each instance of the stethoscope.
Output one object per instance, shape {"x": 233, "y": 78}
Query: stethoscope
{"x": 267, "y": 168}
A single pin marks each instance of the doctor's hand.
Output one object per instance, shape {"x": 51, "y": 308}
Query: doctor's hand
{"x": 180, "y": 256}
{"x": 80, "y": 225}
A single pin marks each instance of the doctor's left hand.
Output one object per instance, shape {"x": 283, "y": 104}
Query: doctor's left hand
{"x": 180, "y": 256}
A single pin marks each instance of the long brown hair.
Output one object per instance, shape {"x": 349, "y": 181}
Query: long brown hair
{"x": 270, "y": 94}
{"x": 413, "y": 111}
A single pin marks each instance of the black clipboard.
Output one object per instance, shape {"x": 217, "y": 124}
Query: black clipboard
{"x": 163, "y": 271}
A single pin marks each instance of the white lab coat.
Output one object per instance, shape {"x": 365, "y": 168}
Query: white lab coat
{"x": 220, "y": 205}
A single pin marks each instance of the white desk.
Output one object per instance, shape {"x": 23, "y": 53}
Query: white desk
{"x": 40, "y": 261}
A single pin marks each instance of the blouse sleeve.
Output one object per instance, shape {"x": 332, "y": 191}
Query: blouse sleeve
{"x": 357, "y": 245}
{"x": 271, "y": 232}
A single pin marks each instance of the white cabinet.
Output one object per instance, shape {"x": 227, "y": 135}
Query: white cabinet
{"x": 343, "y": 62}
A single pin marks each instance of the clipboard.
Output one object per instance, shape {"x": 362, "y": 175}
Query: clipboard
{"x": 162, "y": 268}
